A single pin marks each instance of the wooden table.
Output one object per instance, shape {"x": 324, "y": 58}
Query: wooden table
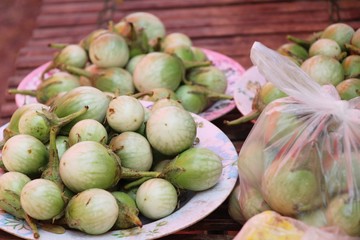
{"x": 226, "y": 26}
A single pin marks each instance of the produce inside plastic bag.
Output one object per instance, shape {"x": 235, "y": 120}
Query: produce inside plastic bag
{"x": 302, "y": 157}
{"x": 269, "y": 225}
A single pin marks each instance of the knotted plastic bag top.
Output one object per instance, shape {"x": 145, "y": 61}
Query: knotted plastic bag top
{"x": 291, "y": 79}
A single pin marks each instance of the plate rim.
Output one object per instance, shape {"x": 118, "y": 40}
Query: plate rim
{"x": 240, "y": 92}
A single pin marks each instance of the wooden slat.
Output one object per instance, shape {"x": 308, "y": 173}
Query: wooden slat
{"x": 16, "y": 79}
{"x": 255, "y": 22}
{"x": 42, "y": 49}
{"x": 33, "y": 62}
{"x": 350, "y": 15}
{"x": 70, "y": 19}
{"x": 77, "y": 32}
{"x": 139, "y": 5}
{"x": 347, "y": 4}
{"x": 240, "y": 11}
{"x": 44, "y": 42}
{"x": 7, "y": 109}
{"x": 230, "y": 30}
{"x": 72, "y": 7}
{"x": 16, "y": 17}
{"x": 45, "y": 2}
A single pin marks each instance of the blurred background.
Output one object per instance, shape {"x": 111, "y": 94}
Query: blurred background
{"x": 227, "y": 26}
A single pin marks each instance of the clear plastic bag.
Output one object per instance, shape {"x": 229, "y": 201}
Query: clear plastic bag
{"x": 269, "y": 225}
{"x": 302, "y": 157}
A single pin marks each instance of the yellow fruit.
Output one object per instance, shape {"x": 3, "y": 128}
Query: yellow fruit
{"x": 269, "y": 225}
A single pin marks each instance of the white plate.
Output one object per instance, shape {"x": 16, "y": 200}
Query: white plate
{"x": 245, "y": 89}
{"x": 232, "y": 70}
{"x": 197, "y": 207}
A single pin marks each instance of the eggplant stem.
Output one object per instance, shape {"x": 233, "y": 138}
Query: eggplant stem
{"x": 194, "y": 64}
{"x": 352, "y": 48}
{"x": 129, "y": 173}
{"x": 142, "y": 40}
{"x": 136, "y": 220}
{"x": 22, "y": 92}
{"x": 47, "y": 69}
{"x": 2, "y": 143}
{"x": 156, "y": 46}
{"x": 77, "y": 71}
{"x": 305, "y": 43}
{"x": 8, "y": 133}
{"x": 315, "y": 36}
{"x": 57, "y": 229}
{"x": 59, "y": 122}
{"x": 32, "y": 225}
{"x": 136, "y": 183}
{"x": 168, "y": 169}
{"x": 57, "y": 45}
{"x": 298, "y": 59}
{"x": 187, "y": 82}
{"x": 251, "y": 116}
{"x": 141, "y": 94}
{"x": 2, "y": 163}
{"x": 52, "y": 171}
{"x": 219, "y": 96}
{"x": 137, "y": 40}
{"x": 110, "y": 26}
{"x": 342, "y": 55}
{"x": 132, "y": 35}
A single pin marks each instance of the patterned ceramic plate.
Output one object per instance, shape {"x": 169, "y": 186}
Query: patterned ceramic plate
{"x": 245, "y": 88}
{"x": 232, "y": 70}
{"x": 194, "y": 207}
